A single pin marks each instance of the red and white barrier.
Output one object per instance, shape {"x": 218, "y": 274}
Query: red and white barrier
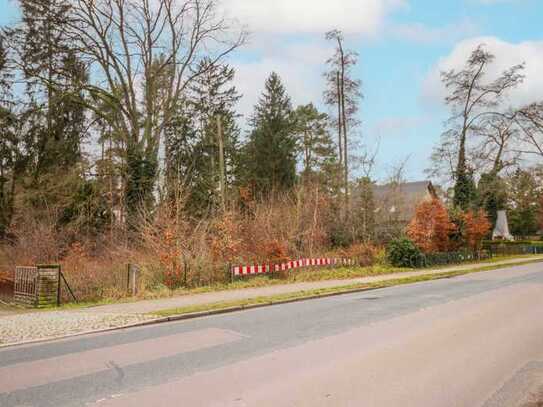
{"x": 256, "y": 269}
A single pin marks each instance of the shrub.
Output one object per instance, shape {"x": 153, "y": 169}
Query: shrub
{"x": 477, "y": 227}
{"x": 401, "y": 252}
{"x": 365, "y": 254}
{"x": 431, "y": 227}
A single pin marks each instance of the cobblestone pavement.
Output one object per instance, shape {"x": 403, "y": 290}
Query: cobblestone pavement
{"x": 50, "y": 324}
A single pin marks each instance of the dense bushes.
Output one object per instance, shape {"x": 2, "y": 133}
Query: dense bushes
{"x": 430, "y": 229}
{"x": 401, "y": 252}
{"x": 175, "y": 249}
{"x": 433, "y": 229}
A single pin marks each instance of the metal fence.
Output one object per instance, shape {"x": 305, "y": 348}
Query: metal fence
{"x": 449, "y": 258}
{"x": 26, "y": 285}
{"x": 443, "y": 259}
{"x": 513, "y": 250}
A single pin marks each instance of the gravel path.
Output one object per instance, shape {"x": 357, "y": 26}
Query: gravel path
{"x": 51, "y": 324}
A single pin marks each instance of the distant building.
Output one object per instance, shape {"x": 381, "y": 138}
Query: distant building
{"x": 396, "y": 203}
{"x": 402, "y": 199}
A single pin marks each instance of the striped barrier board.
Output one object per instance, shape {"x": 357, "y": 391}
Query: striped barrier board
{"x": 256, "y": 269}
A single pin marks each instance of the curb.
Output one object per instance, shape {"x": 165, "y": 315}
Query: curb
{"x": 201, "y": 314}
{"x": 182, "y": 317}
{"x": 97, "y": 331}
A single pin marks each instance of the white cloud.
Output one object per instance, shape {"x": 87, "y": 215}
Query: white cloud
{"x": 394, "y": 126}
{"x": 287, "y": 36}
{"x": 507, "y": 54}
{"x": 424, "y": 34}
{"x": 311, "y": 16}
{"x": 299, "y": 65}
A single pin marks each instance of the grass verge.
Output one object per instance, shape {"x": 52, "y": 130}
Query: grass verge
{"x": 308, "y": 275}
{"x": 324, "y": 292}
{"x": 266, "y": 281}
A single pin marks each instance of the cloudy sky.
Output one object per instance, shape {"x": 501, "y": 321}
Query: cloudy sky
{"x": 403, "y": 45}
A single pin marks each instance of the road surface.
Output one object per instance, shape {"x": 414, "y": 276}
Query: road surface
{"x": 475, "y": 340}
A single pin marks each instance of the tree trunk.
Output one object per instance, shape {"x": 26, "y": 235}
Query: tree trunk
{"x": 340, "y": 141}
{"x": 222, "y": 183}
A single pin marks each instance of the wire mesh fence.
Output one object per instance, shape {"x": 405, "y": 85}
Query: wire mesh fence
{"x": 514, "y": 250}
{"x": 450, "y": 258}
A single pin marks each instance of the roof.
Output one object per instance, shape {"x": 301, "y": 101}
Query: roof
{"x": 408, "y": 189}
{"x": 402, "y": 199}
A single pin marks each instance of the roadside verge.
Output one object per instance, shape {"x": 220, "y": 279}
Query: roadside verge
{"x": 252, "y": 302}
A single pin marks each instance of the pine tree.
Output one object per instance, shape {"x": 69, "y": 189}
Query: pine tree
{"x": 192, "y": 140}
{"x": 270, "y": 154}
{"x": 9, "y": 141}
{"x": 54, "y": 77}
{"x": 343, "y": 94}
{"x": 316, "y": 147}
{"x": 53, "y": 121}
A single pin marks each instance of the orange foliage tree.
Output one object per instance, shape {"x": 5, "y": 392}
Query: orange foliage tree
{"x": 476, "y": 228}
{"x": 431, "y": 227}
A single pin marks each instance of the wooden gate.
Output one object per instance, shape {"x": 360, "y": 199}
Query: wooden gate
{"x": 37, "y": 286}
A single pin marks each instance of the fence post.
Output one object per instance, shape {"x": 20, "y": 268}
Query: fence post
{"x": 132, "y": 279}
{"x": 58, "y": 286}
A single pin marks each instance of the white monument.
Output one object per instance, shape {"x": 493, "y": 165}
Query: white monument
{"x": 501, "y": 231}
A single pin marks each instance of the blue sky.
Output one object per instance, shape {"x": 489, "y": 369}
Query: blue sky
{"x": 403, "y": 44}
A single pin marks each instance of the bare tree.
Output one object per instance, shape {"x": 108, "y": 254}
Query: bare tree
{"x": 494, "y": 151}
{"x": 473, "y": 100}
{"x": 344, "y": 92}
{"x": 530, "y": 121}
{"x": 142, "y": 55}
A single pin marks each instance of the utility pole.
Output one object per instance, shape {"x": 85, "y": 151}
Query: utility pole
{"x": 222, "y": 182}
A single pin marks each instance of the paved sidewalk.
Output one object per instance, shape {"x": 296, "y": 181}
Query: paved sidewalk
{"x": 38, "y": 325}
{"x": 149, "y": 306}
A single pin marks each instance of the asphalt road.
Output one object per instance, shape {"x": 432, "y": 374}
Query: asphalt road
{"x": 475, "y": 340}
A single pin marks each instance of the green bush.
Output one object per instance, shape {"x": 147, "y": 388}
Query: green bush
{"x": 401, "y": 252}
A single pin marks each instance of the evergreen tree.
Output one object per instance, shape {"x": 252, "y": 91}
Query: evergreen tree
{"x": 54, "y": 76}
{"x": 465, "y": 191}
{"x": 9, "y": 141}
{"x": 270, "y": 154}
{"x": 492, "y": 194}
{"x": 315, "y": 146}
{"x": 524, "y": 194}
{"x": 192, "y": 140}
